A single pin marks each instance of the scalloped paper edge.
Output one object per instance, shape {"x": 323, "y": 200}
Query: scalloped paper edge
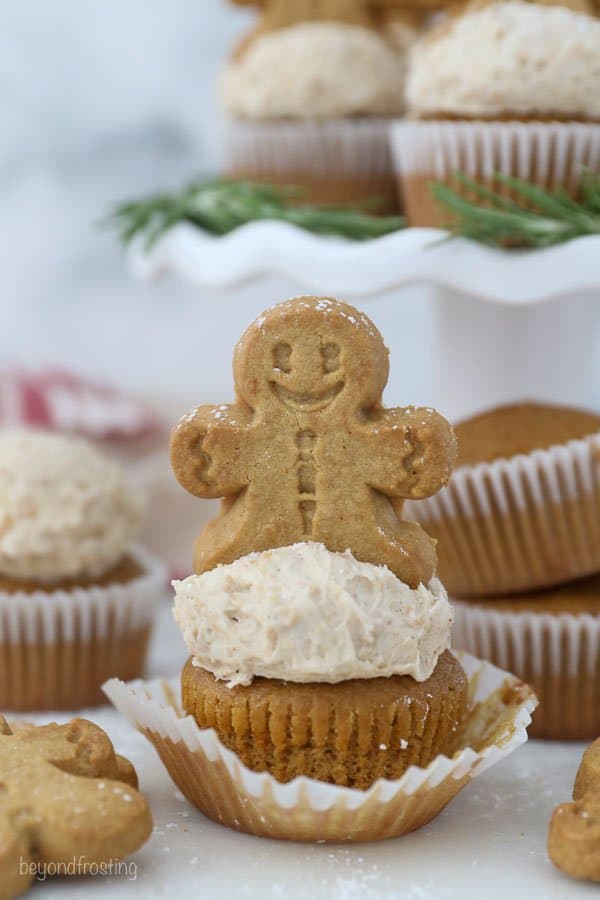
{"x": 153, "y": 706}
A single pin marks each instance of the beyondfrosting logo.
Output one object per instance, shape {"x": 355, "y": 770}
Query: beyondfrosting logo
{"x": 78, "y": 865}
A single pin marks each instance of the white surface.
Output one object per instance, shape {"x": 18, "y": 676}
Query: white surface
{"x": 489, "y": 844}
{"x": 468, "y": 327}
{"x": 364, "y": 269}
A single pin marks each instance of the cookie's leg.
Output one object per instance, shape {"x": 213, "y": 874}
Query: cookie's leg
{"x": 237, "y": 532}
{"x": 404, "y": 547}
{"x": 16, "y": 866}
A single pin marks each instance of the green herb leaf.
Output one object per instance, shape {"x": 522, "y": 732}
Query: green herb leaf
{"x": 219, "y": 206}
{"x": 534, "y": 218}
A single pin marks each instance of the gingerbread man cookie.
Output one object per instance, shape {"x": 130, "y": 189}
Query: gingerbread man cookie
{"x": 307, "y": 452}
{"x": 68, "y": 803}
{"x": 374, "y": 14}
{"x": 574, "y": 835}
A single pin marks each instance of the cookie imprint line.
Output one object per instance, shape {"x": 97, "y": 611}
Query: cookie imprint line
{"x": 306, "y": 441}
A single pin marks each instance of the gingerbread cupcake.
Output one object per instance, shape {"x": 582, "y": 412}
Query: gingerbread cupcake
{"x": 505, "y": 87}
{"x": 309, "y": 105}
{"x": 522, "y": 510}
{"x": 308, "y": 662}
{"x": 77, "y": 597}
{"x": 551, "y": 639}
{"x": 320, "y": 700}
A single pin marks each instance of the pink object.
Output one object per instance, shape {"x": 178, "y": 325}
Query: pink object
{"x": 61, "y": 401}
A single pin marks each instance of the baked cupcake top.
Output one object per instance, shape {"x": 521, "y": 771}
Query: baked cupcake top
{"x": 303, "y": 614}
{"x": 520, "y": 428}
{"x": 315, "y": 70}
{"x": 575, "y": 597}
{"x": 65, "y": 510}
{"x": 508, "y": 59}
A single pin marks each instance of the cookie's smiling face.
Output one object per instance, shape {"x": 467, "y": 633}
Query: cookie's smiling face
{"x": 311, "y": 355}
{"x": 308, "y": 379}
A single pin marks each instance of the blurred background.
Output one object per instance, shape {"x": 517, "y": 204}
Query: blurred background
{"x": 112, "y": 100}
{"x": 101, "y": 102}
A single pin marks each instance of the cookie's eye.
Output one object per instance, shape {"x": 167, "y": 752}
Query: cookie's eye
{"x": 331, "y": 357}
{"x": 282, "y": 354}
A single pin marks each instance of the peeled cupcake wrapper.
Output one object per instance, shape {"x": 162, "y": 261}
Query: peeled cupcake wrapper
{"x": 219, "y": 785}
{"x": 558, "y": 654}
{"x": 518, "y": 524}
{"x": 58, "y": 646}
{"x": 315, "y": 155}
{"x": 548, "y": 154}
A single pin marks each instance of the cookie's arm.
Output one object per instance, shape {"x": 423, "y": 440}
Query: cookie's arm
{"x": 209, "y": 451}
{"x": 411, "y": 452}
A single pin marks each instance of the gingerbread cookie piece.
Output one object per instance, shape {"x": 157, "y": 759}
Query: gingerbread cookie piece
{"x": 574, "y": 835}
{"x": 588, "y": 775}
{"x": 64, "y": 796}
{"x": 375, "y": 14}
{"x": 307, "y": 452}
{"x": 574, "y": 838}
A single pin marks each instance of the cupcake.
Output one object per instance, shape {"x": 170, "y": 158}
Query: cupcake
{"x": 308, "y": 662}
{"x": 522, "y": 509}
{"x": 550, "y": 639}
{"x": 320, "y": 700}
{"x": 309, "y": 105}
{"x": 76, "y": 596}
{"x": 508, "y": 87}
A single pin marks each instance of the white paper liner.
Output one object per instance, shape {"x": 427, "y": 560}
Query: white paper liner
{"x": 322, "y": 148}
{"x": 559, "y": 654}
{"x": 216, "y": 781}
{"x": 543, "y": 152}
{"x": 45, "y": 616}
{"x": 541, "y": 513}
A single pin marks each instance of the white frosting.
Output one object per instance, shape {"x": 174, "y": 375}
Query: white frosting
{"x": 65, "y": 510}
{"x": 508, "y": 58}
{"x": 315, "y": 70}
{"x": 302, "y": 613}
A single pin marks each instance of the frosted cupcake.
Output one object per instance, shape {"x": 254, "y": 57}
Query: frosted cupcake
{"x": 550, "y": 639}
{"x": 320, "y": 700}
{"x": 76, "y": 596}
{"x": 308, "y": 662}
{"x": 509, "y": 87}
{"x": 522, "y": 509}
{"x": 309, "y": 105}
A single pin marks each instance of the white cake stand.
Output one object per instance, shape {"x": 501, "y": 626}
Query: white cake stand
{"x": 468, "y": 326}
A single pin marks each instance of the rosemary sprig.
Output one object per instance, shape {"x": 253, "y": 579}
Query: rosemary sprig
{"x": 219, "y": 206}
{"x": 536, "y": 218}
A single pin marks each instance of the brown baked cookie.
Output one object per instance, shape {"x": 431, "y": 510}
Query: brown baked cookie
{"x": 374, "y": 14}
{"x": 350, "y": 733}
{"x": 64, "y": 795}
{"x": 588, "y": 775}
{"x": 307, "y": 452}
{"x": 574, "y": 837}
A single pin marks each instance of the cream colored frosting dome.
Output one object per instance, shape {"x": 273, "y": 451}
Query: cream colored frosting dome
{"x": 302, "y": 613}
{"x": 508, "y": 58}
{"x": 65, "y": 510}
{"x": 316, "y": 70}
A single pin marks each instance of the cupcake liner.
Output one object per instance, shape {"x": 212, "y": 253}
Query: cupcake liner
{"x": 57, "y": 647}
{"x": 559, "y": 655}
{"x": 335, "y": 161}
{"x": 548, "y": 154}
{"x": 220, "y": 786}
{"x": 517, "y": 524}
